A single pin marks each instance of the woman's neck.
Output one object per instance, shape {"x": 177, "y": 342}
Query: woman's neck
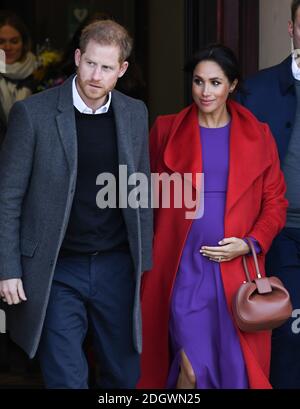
{"x": 214, "y": 119}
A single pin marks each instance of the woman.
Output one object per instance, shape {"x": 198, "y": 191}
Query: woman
{"x": 16, "y": 82}
{"x": 190, "y": 339}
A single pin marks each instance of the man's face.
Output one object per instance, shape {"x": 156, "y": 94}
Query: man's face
{"x": 294, "y": 29}
{"x": 98, "y": 70}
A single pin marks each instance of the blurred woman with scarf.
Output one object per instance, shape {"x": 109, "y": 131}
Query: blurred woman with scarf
{"x": 17, "y": 82}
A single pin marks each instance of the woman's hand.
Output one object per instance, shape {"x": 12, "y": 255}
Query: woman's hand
{"x": 228, "y": 249}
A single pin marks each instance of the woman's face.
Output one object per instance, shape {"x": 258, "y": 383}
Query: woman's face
{"x": 211, "y": 87}
{"x": 11, "y": 42}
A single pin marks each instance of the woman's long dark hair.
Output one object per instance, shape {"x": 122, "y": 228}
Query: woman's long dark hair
{"x": 221, "y": 55}
{"x": 11, "y": 19}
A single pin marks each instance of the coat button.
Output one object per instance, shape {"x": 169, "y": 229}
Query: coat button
{"x": 288, "y": 124}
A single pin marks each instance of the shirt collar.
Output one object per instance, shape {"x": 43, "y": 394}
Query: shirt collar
{"x": 295, "y": 69}
{"x": 81, "y": 105}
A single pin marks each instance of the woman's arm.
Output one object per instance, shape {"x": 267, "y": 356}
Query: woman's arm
{"x": 271, "y": 218}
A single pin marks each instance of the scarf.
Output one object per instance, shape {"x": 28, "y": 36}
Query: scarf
{"x": 10, "y": 92}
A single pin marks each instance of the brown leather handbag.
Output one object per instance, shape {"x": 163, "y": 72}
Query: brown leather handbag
{"x": 260, "y": 304}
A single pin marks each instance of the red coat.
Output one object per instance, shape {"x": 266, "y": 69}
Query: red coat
{"x": 255, "y": 206}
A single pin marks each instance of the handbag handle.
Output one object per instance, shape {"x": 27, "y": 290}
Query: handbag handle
{"x": 257, "y": 270}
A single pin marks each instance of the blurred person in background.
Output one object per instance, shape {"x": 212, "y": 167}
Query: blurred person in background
{"x": 17, "y": 82}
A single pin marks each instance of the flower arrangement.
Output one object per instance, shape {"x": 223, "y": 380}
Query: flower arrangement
{"x": 49, "y": 57}
{"x": 46, "y": 74}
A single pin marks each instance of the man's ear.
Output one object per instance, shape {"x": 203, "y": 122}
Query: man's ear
{"x": 291, "y": 29}
{"x": 123, "y": 68}
{"x": 77, "y": 56}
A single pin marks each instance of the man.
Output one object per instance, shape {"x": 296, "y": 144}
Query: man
{"x": 273, "y": 95}
{"x": 65, "y": 262}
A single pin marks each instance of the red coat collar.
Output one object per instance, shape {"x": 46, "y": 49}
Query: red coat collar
{"x": 248, "y": 158}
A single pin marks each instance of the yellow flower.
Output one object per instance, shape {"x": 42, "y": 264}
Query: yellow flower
{"x": 46, "y": 59}
{"x": 49, "y": 57}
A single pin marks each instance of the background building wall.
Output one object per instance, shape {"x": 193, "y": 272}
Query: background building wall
{"x": 274, "y": 41}
{"x": 165, "y": 57}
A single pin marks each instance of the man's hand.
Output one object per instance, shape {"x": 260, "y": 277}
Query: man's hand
{"x": 229, "y": 249}
{"x": 12, "y": 291}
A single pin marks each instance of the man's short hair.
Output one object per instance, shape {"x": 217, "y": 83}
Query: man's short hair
{"x": 107, "y": 32}
{"x": 294, "y": 7}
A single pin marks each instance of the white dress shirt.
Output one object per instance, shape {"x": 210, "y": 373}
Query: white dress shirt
{"x": 81, "y": 105}
{"x": 295, "y": 69}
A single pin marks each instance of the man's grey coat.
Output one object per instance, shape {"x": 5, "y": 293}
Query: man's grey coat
{"x": 38, "y": 168}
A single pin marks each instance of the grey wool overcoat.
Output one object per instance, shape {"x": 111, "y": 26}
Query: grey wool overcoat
{"x": 38, "y": 169}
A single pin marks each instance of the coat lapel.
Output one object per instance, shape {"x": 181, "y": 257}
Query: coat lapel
{"x": 248, "y": 157}
{"x": 67, "y": 127}
{"x": 66, "y": 124}
{"x": 247, "y": 149}
{"x": 124, "y": 132}
{"x": 183, "y": 150}
{"x": 286, "y": 79}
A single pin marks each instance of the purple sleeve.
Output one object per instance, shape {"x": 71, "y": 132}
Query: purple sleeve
{"x": 255, "y": 244}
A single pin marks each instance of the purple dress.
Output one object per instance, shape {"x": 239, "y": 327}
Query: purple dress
{"x": 200, "y": 323}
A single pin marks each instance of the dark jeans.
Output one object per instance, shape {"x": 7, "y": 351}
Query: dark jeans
{"x": 284, "y": 261}
{"x": 94, "y": 292}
